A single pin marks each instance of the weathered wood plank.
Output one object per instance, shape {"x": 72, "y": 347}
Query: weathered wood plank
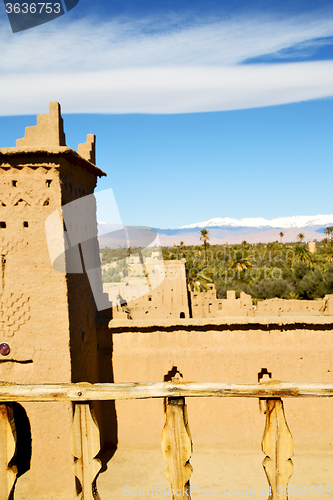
{"x": 85, "y": 446}
{"x": 8, "y": 471}
{"x": 277, "y": 444}
{"x": 90, "y": 392}
{"x": 177, "y": 447}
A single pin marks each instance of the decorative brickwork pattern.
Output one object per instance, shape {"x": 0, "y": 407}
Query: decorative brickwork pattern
{"x": 14, "y": 312}
{"x": 9, "y": 245}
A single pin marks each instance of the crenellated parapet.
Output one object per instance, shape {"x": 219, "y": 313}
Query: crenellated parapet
{"x": 88, "y": 149}
{"x": 49, "y": 130}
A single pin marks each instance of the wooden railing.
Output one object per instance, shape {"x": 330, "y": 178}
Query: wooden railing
{"x": 277, "y": 442}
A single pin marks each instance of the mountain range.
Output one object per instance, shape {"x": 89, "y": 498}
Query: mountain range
{"x": 299, "y": 221}
{"x": 253, "y": 230}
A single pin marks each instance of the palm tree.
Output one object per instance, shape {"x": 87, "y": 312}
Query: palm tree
{"x": 303, "y": 254}
{"x": 124, "y": 267}
{"x": 204, "y": 237}
{"x": 329, "y": 256}
{"x": 281, "y": 234}
{"x": 240, "y": 263}
{"x": 198, "y": 276}
{"x": 329, "y": 231}
{"x": 181, "y": 249}
{"x": 301, "y": 237}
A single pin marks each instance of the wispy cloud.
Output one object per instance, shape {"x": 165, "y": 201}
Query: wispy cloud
{"x": 160, "y": 66}
{"x": 168, "y": 90}
{"x": 303, "y": 50}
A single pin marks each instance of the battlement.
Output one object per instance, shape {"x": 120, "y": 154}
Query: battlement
{"x": 88, "y": 149}
{"x": 49, "y": 130}
{"x": 48, "y": 138}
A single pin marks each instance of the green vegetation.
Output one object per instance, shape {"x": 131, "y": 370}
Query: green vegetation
{"x": 111, "y": 275}
{"x": 265, "y": 271}
{"x": 119, "y": 258}
{"x": 285, "y": 270}
{"x": 204, "y": 237}
{"x": 198, "y": 275}
{"x": 329, "y": 231}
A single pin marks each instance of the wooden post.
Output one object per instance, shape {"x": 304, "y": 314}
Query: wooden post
{"x": 277, "y": 444}
{"x": 8, "y": 470}
{"x": 177, "y": 447}
{"x": 85, "y": 447}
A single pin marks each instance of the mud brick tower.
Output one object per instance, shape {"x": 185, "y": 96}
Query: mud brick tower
{"x": 47, "y": 318}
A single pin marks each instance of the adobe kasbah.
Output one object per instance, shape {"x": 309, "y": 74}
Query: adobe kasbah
{"x": 60, "y": 324}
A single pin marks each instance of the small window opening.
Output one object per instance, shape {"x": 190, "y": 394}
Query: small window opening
{"x": 25, "y": 224}
{"x": 182, "y": 315}
{"x": 46, "y": 202}
{"x": 150, "y": 298}
{"x": 14, "y": 184}
{"x": 48, "y": 183}
{"x": 2, "y": 225}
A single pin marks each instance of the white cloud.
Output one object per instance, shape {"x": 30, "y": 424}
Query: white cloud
{"x": 124, "y": 66}
{"x": 91, "y": 44}
{"x": 168, "y": 90}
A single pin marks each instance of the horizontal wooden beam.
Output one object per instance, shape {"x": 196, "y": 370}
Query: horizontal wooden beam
{"x": 143, "y": 390}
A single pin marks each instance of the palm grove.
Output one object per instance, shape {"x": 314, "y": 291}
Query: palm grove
{"x": 277, "y": 269}
{"x": 284, "y": 270}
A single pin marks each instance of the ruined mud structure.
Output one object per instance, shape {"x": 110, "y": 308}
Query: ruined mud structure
{"x": 167, "y": 300}
{"x": 51, "y": 332}
{"x": 172, "y": 299}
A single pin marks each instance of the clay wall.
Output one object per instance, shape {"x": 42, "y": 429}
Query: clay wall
{"x": 288, "y": 306}
{"x": 206, "y": 305}
{"x": 34, "y": 306}
{"x": 312, "y": 246}
{"x": 167, "y": 300}
{"x": 294, "y": 349}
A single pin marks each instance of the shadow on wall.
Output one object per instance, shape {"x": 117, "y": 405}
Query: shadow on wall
{"x": 105, "y": 411}
{"x": 16, "y": 416}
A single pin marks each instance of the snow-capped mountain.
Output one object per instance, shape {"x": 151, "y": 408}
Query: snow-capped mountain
{"x": 231, "y": 231}
{"x": 300, "y": 221}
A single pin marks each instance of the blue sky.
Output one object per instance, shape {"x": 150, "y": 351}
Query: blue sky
{"x": 201, "y": 109}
